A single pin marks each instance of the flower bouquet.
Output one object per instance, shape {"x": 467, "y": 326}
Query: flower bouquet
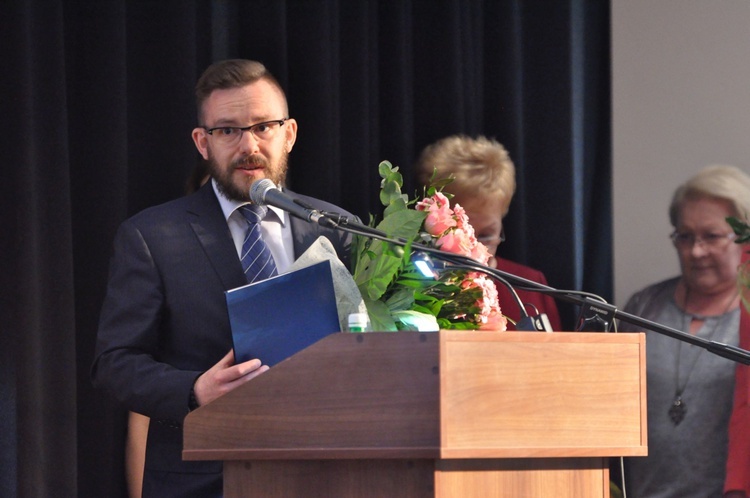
{"x": 397, "y": 295}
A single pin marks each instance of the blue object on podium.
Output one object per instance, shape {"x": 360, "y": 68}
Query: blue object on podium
{"x": 275, "y": 318}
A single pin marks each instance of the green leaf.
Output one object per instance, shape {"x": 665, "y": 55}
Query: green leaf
{"x": 385, "y": 168}
{"x": 741, "y": 228}
{"x": 405, "y": 224}
{"x": 374, "y": 278}
{"x": 461, "y": 325}
{"x": 380, "y": 316}
{"x": 390, "y": 192}
{"x": 402, "y": 299}
{"x": 395, "y": 205}
{"x": 413, "y": 320}
{"x": 390, "y": 186}
{"x": 439, "y": 185}
{"x": 412, "y": 282}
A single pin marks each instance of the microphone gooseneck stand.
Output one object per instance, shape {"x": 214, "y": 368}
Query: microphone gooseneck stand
{"x": 588, "y": 300}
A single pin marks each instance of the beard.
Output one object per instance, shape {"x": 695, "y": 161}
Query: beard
{"x": 240, "y": 190}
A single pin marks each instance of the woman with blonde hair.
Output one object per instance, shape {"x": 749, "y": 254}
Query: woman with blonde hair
{"x": 484, "y": 181}
{"x": 690, "y": 391}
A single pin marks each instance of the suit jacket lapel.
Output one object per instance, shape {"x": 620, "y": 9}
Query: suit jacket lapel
{"x": 212, "y": 231}
{"x": 301, "y": 232}
{"x": 304, "y": 233}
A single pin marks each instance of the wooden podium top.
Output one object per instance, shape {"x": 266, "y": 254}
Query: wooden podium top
{"x": 453, "y": 394}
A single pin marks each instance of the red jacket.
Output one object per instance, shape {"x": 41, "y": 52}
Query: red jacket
{"x": 543, "y": 303}
{"x": 738, "y": 458}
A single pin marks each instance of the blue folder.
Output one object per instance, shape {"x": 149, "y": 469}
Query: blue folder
{"x": 275, "y": 318}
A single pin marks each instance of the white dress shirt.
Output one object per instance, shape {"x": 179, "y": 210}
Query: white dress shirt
{"x": 275, "y": 229}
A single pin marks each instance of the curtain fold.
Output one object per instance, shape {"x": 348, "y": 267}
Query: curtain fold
{"x": 38, "y": 297}
{"x": 97, "y": 107}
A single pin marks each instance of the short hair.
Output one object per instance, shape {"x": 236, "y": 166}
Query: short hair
{"x": 720, "y": 182}
{"x": 479, "y": 166}
{"x": 232, "y": 73}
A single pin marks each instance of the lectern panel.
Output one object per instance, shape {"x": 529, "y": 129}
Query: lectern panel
{"x": 518, "y": 394}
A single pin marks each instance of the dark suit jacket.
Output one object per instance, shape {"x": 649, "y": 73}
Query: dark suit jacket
{"x": 164, "y": 321}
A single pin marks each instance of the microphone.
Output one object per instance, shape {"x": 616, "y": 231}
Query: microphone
{"x": 263, "y": 192}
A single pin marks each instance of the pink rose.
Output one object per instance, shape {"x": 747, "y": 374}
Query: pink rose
{"x": 490, "y": 316}
{"x": 438, "y": 222}
{"x": 489, "y": 292}
{"x": 462, "y": 220}
{"x": 494, "y": 321}
{"x": 437, "y": 201}
{"x": 481, "y": 253}
{"x": 455, "y": 241}
{"x": 439, "y": 214}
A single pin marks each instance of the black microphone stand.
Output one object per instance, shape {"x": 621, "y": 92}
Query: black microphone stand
{"x": 584, "y": 299}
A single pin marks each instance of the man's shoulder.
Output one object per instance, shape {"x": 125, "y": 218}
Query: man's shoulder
{"x": 176, "y": 210}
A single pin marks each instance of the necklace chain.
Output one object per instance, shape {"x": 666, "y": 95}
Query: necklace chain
{"x": 677, "y": 410}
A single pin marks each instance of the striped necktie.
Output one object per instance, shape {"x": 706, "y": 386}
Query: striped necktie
{"x": 257, "y": 260}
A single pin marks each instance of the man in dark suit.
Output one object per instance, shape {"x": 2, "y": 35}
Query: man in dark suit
{"x": 164, "y": 344}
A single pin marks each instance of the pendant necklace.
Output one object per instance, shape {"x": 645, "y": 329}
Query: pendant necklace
{"x": 678, "y": 409}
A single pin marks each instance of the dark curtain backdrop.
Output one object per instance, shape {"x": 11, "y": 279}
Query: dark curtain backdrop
{"x": 96, "y": 109}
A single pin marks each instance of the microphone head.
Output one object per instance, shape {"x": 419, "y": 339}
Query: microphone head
{"x": 258, "y": 191}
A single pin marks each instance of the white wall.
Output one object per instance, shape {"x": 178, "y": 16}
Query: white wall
{"x": 681, "y": 101}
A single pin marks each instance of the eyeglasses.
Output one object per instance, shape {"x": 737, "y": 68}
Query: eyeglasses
{"x": 492, "y": 239}
{"x": 230, "y": 135}
{"x": 686, "y": 240}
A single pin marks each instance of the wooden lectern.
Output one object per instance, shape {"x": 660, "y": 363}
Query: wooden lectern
{"x": 450, "y": 414}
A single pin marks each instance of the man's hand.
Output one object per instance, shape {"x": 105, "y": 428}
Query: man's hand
{"x": 224, "y": 377}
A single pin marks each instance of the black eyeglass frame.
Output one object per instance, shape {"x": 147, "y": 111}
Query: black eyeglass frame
{"x": 244, "y": 129}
